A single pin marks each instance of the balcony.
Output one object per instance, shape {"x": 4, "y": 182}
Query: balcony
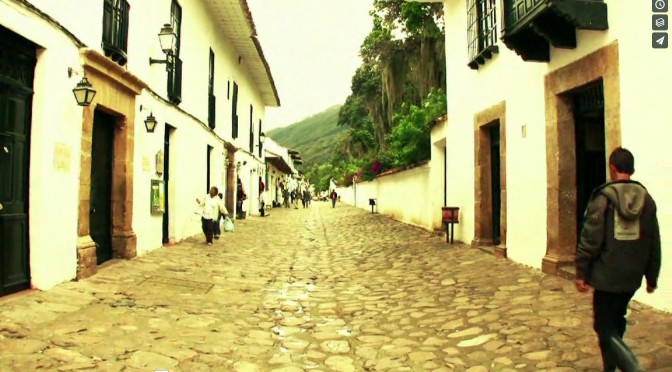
{"x": 115, "y": 30}
{"x": 532, "y": 26}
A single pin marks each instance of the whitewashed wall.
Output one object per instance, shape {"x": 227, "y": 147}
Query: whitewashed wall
{"x": 478, "y": 90}
{"x": 437, "y": 171}
{"x": 643, "y": 113}
{"x": 403, "y": 196}
{"x": 56, "y": 143}
{"x": 188, "y": 167}
{"x": 55, "y": 147}
{"x": 189, "y": 141}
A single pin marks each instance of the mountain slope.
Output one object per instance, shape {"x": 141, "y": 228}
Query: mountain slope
{"x": 314, "y": 137}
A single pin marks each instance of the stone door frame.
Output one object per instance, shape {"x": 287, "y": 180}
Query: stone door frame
{"x": 602, "y": 64}
{"x": 495, "y": 114}
{"x": 116, "y": 91}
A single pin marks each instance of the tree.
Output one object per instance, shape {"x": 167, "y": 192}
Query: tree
{"x": 390, "y": 108}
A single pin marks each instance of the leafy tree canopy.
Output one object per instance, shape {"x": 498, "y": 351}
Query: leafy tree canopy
{"x": 397, "y": 93}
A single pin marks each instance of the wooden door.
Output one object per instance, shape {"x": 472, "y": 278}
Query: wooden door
{"x": 102, "y": 161}
{"x": 17, "y": 66}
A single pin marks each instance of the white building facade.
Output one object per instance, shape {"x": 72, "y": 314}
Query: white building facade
{"x": 279, "y": 166}
{"x": 85, "y": 184}
{"x": 539, "y": 93}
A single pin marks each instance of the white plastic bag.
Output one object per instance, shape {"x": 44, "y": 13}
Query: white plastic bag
{"x": 227, "y": 224}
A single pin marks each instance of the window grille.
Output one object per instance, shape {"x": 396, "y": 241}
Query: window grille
{"x": 175, "y": 79}
{"x": 115, "y": 30}
{"x": 251, "y": 131}
{"x": 234, "y": 112}
{"x": 212, "y": 100}
{"x": 261, "y": 149}
{"x": 175, "y": 63}
{"x": 176, "y": 23}
{"x": 482, "y": 27}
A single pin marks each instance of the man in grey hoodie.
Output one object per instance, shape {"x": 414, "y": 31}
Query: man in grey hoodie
{"x": 618, "y": 246}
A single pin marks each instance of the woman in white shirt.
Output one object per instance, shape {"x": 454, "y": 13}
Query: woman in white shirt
{"x": 212, "y": 206}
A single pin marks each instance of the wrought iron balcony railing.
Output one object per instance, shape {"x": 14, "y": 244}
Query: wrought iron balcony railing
{"x": 115, "y": 30}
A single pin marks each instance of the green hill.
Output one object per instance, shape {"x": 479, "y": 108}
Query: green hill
{"x": 314, "y": 137}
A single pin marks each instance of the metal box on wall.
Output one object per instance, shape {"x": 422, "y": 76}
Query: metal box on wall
{"x": 157, "y": 197}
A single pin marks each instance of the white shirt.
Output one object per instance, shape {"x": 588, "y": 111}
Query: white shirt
{"x": 212, "y": 206}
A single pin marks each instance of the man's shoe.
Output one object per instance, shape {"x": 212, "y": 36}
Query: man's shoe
{"x": 216, "y": 236}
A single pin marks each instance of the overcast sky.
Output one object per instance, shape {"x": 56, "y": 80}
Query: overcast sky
{"x": 312, "y": 47}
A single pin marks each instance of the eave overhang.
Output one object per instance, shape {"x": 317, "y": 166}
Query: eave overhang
{"x": 235, "y": 20}
{"x": 279, "y": 163}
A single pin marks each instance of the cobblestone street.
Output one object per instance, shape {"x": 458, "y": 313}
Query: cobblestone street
{"x": 316, "y": 289}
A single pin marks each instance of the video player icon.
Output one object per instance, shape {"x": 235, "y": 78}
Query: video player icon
{"x": 659, "y": 22}
{"x": 659, "y": 6}
{"x": 659, "y": 40}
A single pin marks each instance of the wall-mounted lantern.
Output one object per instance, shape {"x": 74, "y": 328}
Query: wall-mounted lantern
{"x": 167, "y": 39}
{"x": 84, "y": 92}
{"x": 150, "y": 123}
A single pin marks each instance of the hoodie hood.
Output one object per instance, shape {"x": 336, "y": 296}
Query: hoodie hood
{"x": 627, "y": 197}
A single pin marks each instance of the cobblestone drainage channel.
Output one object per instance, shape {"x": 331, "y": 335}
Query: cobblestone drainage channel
{"x": 192, "y": 286}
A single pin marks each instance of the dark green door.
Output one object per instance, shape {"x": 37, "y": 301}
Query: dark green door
{"x": 17, "y": 66}
{"x": 591, "y": 167}
{"x": 496, "y": 186}
{"x": 102, "y": 156}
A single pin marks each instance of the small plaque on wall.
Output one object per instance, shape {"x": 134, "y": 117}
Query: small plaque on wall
{"x": 146, "y": 164}
{"x": 157, "y": 197}
{"x": 62, "y": 155}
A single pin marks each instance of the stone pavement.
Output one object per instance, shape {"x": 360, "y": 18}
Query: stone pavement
{"x": 316, "y": 289}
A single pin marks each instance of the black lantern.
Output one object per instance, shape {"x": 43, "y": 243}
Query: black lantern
{"x": 84, "y": 92}
{"x": 167, "y": 39}
{"x": 150, "y": 123}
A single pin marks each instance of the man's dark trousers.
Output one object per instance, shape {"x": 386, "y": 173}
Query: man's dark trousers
{"x": 609, "y": 311}
{"x": 208, "y": 229}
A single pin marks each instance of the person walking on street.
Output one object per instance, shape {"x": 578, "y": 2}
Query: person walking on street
{"x": 333, "y": 196}
{"x": 285, "y": 198}
{"x": 619, "y": 245}
{"x": 220, "y": 215}
{"x": 212, "y": 205}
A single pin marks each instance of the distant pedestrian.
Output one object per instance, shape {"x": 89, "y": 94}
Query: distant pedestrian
{"x": 285, "y": 198}
{"x": 618, "y": 245}
{"x": 333, "y": 196}
{"x": 220, "y": 216}
{"x": 212, "y": 205}
{"x": 295, "y": 200}
{"x": 262, "y": 198}
{"x": 306, "y": 197}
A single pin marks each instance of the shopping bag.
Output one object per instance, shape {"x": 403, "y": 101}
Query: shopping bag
{"x": 227, "y": 224}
